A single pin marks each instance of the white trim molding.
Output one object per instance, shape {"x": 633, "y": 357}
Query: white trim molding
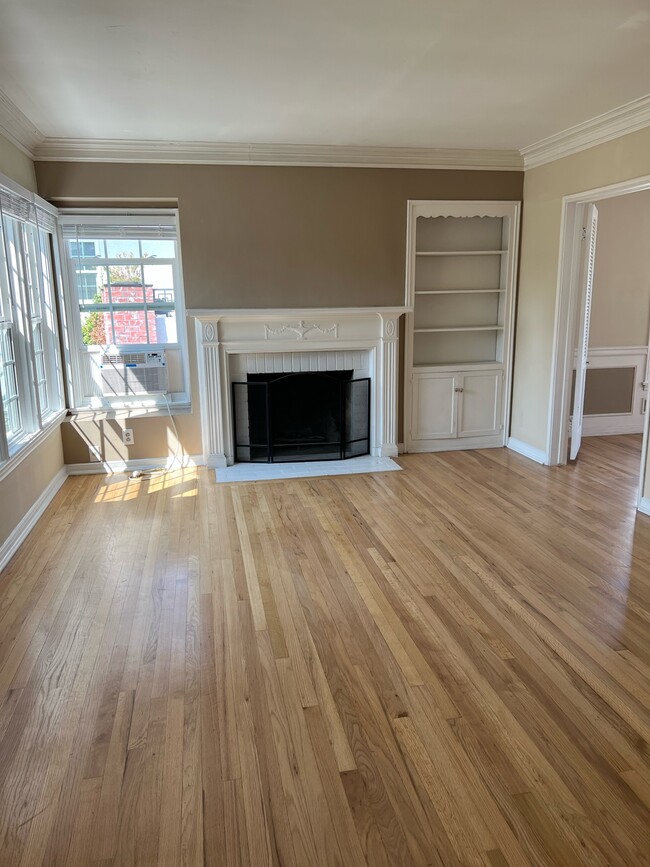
{"x": 528, "y": 451}
{"x": 266, "y": 154}
{"x": 567, "y": 291}
{"x": 20, "y": 532}
{"x": 145, "y": 465}
{"x": 17, "y": 127}
{"x": 20, "y": 130}
{"x": 612, "y": 124}
{"x": 644, "y": 505}
{"x": 617, "y": 357}
{"x": 284, "y": 334}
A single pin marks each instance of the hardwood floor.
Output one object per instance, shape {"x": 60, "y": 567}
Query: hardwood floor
{"x": 443, "y": 666}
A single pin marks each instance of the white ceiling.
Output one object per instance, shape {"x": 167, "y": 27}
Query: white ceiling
{"x": 420, "y": 73}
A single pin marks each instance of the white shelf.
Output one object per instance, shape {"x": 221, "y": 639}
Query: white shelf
{"x": 456, "y": 365}
{"x": 461, "y": 269}
{"x": 461, "y": 252}
{"x": 457, "y": 291}
{"x": 459, "y": 328}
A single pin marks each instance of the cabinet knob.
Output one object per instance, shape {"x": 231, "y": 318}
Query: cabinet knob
{"x": 458, "y": 389}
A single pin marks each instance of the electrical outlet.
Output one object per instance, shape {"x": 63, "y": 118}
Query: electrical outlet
{"x": 127, "y": 436}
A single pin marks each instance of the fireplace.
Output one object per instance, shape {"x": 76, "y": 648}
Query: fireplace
{"x": 304, "y": 416}
{"x": 232, "y": 344}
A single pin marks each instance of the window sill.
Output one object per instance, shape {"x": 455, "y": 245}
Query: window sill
{"x": 88, "y": 413}
{"x": 28, "y": 444}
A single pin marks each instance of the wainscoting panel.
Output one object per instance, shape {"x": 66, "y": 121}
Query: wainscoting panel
{"x": 615, "y": 397}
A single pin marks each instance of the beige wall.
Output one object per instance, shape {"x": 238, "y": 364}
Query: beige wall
{"x": 17, "y": 165}
{"x": 622, "y": 159}
{"x": 260, "y": 236}
{"x": 20, "y": 490}
{"x": 620, "y": 310}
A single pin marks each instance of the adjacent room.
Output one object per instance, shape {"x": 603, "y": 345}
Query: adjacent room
{"x": 324, "y": 490}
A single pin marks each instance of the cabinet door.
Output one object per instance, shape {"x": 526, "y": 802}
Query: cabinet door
{"x": 479, "y": 410}
{"x": 434, "y": 413}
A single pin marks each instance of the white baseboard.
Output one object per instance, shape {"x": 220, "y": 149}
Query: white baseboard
{"x": 463, "y": 444}
{"x": 218, "y": 462}
{"x": 644, "y": 505}
{"x": 27, "y": 522}
{"x": 146, "y": 464}
{"x": 611, "y": 425}
{"x": 385, "y": 451}
{"x": 527, "y": 451}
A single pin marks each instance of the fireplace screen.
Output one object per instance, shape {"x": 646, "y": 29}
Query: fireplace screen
{"x": 301, "y": 417}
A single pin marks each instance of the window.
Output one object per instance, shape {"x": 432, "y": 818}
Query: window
{"x": 125, "y": 298}
{"x": 30, "y": 370}
{"x": 8, "y": 375}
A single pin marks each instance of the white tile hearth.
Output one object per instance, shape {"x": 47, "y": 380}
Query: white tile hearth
{"x": 305, "y": 469}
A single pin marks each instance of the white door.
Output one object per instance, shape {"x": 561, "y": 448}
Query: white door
{"x": 433, "y": 413}
{"x": 479, "y": 409}
{"x": 586, "y": 287}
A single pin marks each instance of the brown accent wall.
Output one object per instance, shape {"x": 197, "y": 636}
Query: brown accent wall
{"x": 279, "y": 236}
{"x": 275, "y": 236}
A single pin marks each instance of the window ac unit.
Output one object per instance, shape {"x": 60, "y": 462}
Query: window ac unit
{"x": 133, "y": 373}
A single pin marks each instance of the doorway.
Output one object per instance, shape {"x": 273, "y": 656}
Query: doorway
{"x": 601, "y": 352}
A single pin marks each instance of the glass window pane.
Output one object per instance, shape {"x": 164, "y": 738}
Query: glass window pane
{"x": 40, "y": 368}
{"x": 5, "y": 305}
{"x": 38, "y": 337}
{"x": 12, "y": 412}
{"x": 31, "y": 264}
{"x": 134, "y": 326}
{"x": 96, "y": 328}
{"x": 123, "y": 248}
{"x": 7, "y": 365}
{"x": 86, "y": 249}
{"x": 9, "y": 385}
{"x": 127, "y": 292}
{"x": 159, "y": 281}
{"x": 42, "y": 396}
{"x": 45, "y": 258}
{"x": 165, "y": 329}
{"x": 90, "y": 283}
{"x": 126, "y": 284}
{"x": 161, "y": 249}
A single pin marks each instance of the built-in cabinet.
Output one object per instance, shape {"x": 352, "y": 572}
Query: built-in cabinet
{"x": 461, "y": 283}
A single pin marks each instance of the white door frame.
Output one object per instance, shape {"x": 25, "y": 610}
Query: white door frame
{"x": 568, "y": 288}
{"x": 589, "y": 238}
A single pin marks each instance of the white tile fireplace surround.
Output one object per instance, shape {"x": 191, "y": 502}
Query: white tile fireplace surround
{"x": 233, "y": 343}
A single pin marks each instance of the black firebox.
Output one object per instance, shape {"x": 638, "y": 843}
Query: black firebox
{"x": 301, "y": 417}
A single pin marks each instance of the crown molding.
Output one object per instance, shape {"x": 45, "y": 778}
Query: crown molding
{"x": 235, "y": 153}
{"x": 17, "y": 127}
{"x": 619, "y": 121}
{"x": 20, "y": 130}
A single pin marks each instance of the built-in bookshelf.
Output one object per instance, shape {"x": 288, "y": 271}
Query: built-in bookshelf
{"x": 460, "y": 286}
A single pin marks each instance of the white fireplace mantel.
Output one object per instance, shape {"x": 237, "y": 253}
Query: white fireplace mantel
{"x": 221, "y": 334}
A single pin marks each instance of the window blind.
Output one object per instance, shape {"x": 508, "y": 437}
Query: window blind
{"x": 13, "y": 205}
{"x": 144, "y": 231}
{"x": 45, "y": 220}
{"x": 18, "y": 207}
